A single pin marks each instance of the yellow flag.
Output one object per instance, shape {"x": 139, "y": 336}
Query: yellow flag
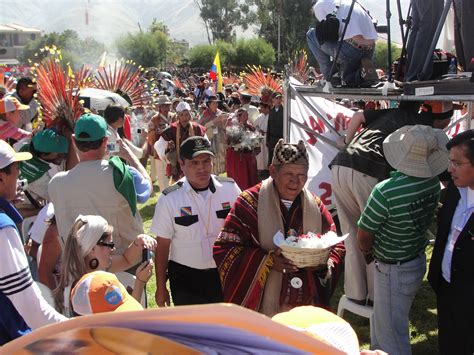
{"x": 216, "y": 73}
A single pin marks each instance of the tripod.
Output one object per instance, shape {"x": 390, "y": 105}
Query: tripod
{"x": 346, "y": 23}
{"x": 444, "y": 14}
{"x": 405, "y": 33}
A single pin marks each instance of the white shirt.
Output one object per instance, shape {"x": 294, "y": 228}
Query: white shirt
{"x": 17, "y": 283}
{"x": 252, "y": 112}
{"x": 193, "y": 220}
{"x": 462, "y": 214}
{"x": 261, "y": 123}
{"x": 39, "y": 187}
{"x": 39, "y": 227}
{"x": 360, "y": 22}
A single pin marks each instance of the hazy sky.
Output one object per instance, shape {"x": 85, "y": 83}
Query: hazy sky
{"x": 108, "y": 19}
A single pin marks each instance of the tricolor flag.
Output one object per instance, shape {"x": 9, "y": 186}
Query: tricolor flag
{"x": 215, "y": 74}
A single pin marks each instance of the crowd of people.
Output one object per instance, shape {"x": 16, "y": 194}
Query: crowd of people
{"x": 229, "y": 183}
{"x": 212, "y": 235}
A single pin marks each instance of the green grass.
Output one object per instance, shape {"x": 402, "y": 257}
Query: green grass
{"x": 423, "y": 325}
{"x": 146, "y": 211}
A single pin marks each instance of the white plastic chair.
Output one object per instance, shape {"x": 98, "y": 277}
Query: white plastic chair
{"x": 346, "y": 304}
{"x": 128, "y": 280}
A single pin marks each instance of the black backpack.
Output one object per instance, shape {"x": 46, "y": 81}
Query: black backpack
{"x": 328, "y": 30}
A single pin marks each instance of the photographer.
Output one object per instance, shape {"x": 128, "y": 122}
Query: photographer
{"x": 115, "y": 117}
{"x": 107, "y": 188}
{"x": 358, "y": 43}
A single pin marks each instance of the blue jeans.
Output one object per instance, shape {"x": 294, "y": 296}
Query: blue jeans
{"x": 395, "y": 287}
{"x": 349, "y": 58}
{"x": 426, "y": 15}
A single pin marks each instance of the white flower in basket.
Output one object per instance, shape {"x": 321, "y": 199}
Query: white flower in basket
{"x": 242, "y": 139}
{"x": 307, "y": 250}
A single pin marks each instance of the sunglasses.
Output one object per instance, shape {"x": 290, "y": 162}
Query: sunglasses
{"x": 110, "y": 245}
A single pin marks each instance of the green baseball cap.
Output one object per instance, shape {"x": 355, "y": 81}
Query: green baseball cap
{"x": 48, "y": 141}
{"x": 90, "y": 127}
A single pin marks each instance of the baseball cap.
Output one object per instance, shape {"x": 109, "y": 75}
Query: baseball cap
{"x": 10, "y": 104}
{"x": 91, "y": 127}
{"x": 276, "y": 94}
{"x": 8, "y": 155}
{"x": 194, "y": 146}
{"x": 48, "y": 141}
{"x": 99, "y": 292}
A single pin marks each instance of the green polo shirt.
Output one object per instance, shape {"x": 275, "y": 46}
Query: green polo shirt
{"x": 398, "y": 212}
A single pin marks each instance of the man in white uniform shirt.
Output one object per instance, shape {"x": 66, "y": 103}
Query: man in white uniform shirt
{"x": 358, "y": 42}
{"x": 188, "y": 217}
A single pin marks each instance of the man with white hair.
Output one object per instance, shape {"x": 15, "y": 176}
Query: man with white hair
{"x": 168, "y": 145}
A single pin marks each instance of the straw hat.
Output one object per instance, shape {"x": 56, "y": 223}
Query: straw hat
{"x": 163, "y": 100}
{"x": 418, "y": 151}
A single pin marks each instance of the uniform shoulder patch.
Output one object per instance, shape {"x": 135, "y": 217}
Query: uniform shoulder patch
{"x": 224, "y": 179}
{"x": 172, "y": 188}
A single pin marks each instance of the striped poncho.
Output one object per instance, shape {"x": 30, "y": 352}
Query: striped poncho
{"x": 243, "y": 264}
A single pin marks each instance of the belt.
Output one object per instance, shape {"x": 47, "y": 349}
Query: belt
{"x": 399, "y": 262}
{"x": 364, "y": 47}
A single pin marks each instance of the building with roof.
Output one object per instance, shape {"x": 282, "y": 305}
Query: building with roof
{"x": 13, "y": 38}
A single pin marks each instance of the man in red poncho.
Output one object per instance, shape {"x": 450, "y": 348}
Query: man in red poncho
{"x": 172, "y": 137}
{"x": 253, "y": 272}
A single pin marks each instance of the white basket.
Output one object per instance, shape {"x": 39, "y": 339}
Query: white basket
{"x": 306, "y": 257}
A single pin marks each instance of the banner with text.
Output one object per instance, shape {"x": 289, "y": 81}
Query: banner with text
{"x": 321, "y": 153}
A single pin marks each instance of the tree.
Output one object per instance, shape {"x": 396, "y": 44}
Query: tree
{"x": 146, "y": 49}
{"x": 152, "y": 48}
{"x": 285, "y": 22}
{"x": 221, "y": 17}
{"x": 254, "y": 51}
{"x": 202, "y": 56}
{"x": 381, "y": 54}
{"x": 233, "y": 56}
{"x": 75, "y": 50}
